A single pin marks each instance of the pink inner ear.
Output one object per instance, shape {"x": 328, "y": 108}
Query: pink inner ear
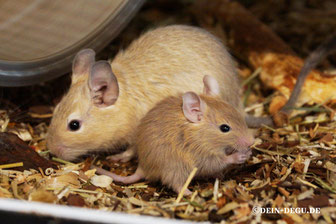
{"x": 192, "y": 107}
{"x": 103, "y": 84}
{"x": 195, "y": 106}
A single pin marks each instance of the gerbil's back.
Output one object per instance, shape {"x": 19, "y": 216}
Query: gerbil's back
{"x": 160, "y": 136}
{"x": 162, "y": 124}
{"x": 175, "y": 59}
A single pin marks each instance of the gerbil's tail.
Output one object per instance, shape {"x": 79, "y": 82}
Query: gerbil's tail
{"x": 326, "y": 48}
{"x": 138, "y": 175}
{"x": 311, "y": 62}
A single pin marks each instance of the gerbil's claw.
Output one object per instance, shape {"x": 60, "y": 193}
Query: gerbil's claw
{"x": 122, "y": 157}
{"x": 249, "y": 153}
{"x": 241, "y": 158}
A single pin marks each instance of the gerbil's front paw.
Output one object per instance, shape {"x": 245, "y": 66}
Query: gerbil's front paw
{"x": 240, "y": 157}
{"x": 249, "y": 153}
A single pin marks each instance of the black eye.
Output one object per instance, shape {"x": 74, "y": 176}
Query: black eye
{"x": 74, "y": 125}
{"x": 224, "y": 128}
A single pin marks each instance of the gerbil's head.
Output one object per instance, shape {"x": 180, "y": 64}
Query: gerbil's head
{"x": 216, "y": 125}
{"x": 87, "y": 116}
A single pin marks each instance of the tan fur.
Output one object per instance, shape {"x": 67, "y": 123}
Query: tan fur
{"x": 169, "y": 146}
{"x": 162, "y": 62}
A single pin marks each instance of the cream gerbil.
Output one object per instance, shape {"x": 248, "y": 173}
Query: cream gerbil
{"x": 106, "y": 101}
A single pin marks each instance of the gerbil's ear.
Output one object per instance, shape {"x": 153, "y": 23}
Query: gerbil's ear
{"x": 211, "y": 87}
{"x": 193, "y": 107}
{"x": 103, "y": 84}
{"x": 82, "y": 62}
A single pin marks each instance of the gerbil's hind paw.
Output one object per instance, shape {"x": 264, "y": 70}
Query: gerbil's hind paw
{"x": 187, "y": 192}
{"x": 122, "y": 157}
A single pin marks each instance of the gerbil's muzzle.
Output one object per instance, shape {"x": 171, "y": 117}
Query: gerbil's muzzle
{"x": 245, "y": 142}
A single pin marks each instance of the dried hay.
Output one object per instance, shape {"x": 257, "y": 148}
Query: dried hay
{"x": 292, "y": 167}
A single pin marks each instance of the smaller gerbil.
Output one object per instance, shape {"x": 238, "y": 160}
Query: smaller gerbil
{"x": 187, "y": 131}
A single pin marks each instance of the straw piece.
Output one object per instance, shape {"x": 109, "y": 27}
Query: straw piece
{"x": 186, "y": 184}
{"x": 215, "y": 191}
{"x": 307, "y": 183}
{"x": 251, "y": 77}
{"x": 11, "y": 165}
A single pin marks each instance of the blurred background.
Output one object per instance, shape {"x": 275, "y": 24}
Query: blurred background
{"x": 301, "y": 24}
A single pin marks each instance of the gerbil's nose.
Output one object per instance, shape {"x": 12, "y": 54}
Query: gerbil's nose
{"x": 246, "y": 142}
{"x": 55, "y": 149}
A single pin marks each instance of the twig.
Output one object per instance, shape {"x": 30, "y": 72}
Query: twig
{"x": 11, "y": 165}
{"x": 186, "y": 184}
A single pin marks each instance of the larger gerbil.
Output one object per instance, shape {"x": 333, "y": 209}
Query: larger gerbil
{"x": 106, "y": 101}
